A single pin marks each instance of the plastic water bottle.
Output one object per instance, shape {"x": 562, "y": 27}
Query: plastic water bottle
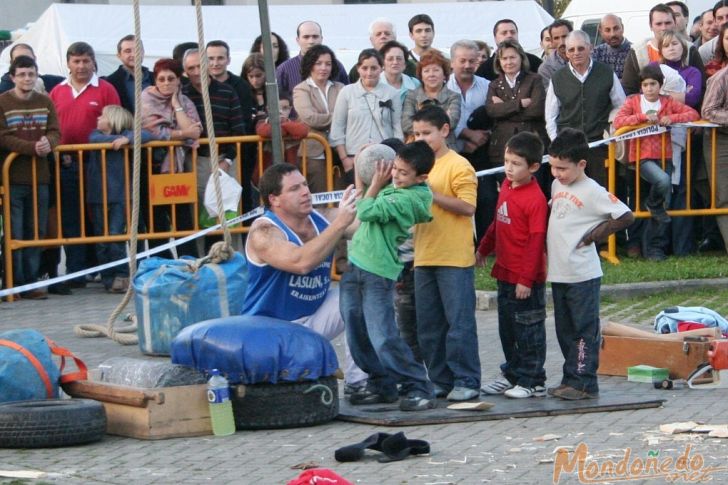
{"x": 221, "y": 408}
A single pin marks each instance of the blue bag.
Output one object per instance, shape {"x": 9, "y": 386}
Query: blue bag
{"x": 254, "y": 349}
{"x": 170, "y": 295}
{"x": 27, "y": 370}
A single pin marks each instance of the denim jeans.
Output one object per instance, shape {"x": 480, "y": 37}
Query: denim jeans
{"x": 660, "y": 183}
{"x": 683, "y": 235}
{"x": 27, "y": 261}
{"x": 366, "y": 302}
{"x": 71, "y": 213}
{"x": 576, "y": 313}
{"x": 107, "y": 252}
{"x": 656, "y": 236}
{"x": 446, "y": 325}
{"x": 404, "y": 309}
{"x": 522, "y": 329}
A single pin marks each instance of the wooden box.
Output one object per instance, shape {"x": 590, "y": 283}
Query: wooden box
{"x": 682, "y": 358}
{"x": 149, "y": 414}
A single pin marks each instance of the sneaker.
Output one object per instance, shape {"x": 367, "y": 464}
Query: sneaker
{"x": 570, "y": 394}
{"x": 119, "y": 285}
{"x": 439, "y": 391}
{"x": 551, "y": 391}
{"x": 520, "y": 392}
{"x": 462, "y": 394}
{"x": 367, "y": 396}
{"x": 358, "y": 386}
{"x": 497, "y": 386}
{"x": 416, "y": 403}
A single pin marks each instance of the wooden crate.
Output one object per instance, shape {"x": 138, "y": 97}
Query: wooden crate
{"x": 149, "y": 414}
{"x": 682, "y": 358}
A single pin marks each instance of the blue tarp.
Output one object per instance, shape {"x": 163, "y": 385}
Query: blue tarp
{"x": 254, "y": 349}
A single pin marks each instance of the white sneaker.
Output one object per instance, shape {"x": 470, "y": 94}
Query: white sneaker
{"x": 497, "y": 386}
{"x": 519, "y": 392}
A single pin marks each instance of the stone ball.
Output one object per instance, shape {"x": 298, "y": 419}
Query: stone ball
{"x": 366, "y": 162}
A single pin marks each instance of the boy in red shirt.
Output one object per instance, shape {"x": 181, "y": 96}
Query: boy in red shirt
{"x": 518, "y": 236}
{"x": 652, "y": 107}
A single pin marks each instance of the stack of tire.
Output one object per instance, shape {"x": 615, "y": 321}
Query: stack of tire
{"x": 287, "y": 370}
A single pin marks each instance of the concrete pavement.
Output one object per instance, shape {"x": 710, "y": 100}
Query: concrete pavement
{"x": 468, "y": 453}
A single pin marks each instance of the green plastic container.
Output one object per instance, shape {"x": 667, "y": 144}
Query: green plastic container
{"x": 647, "y": 373}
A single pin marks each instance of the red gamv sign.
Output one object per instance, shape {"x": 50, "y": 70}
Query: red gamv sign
{"x": 177, "y": 188}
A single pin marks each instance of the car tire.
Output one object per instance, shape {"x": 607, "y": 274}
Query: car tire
{"x": 286, "y": 405}
{"x": 51, "y": 423}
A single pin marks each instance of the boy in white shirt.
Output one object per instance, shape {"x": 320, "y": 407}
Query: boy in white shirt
{"x": 582, "y": 213}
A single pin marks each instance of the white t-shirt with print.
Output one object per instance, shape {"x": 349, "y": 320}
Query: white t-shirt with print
{"x": 575, "y": 210}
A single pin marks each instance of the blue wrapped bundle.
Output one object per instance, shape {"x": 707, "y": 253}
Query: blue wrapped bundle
{"x": 254, "y": 349}
{"x": 20, "y": 380}
{"x": 169, "y": 295}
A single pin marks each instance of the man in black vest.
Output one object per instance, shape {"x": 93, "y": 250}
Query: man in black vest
{"x": 581, "y": 95}
{"x": 504, "y": 29}
{"x": 123, "y": 78}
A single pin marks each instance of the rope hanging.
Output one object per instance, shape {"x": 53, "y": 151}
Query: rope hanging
{"x": 220, "y": 251}
{"x": 210, "y": 125}
{"x": 127, "y": 335}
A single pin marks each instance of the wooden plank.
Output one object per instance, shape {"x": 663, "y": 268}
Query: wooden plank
{"x": 390, "y": 415}
{"x": 619, "y": 353}
{"x": 100, "y": 391}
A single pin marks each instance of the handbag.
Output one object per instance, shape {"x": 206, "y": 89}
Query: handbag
{"x": 27, "y": 368}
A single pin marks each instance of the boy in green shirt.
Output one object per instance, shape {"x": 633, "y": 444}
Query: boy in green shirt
{"x": 387, "y": 211}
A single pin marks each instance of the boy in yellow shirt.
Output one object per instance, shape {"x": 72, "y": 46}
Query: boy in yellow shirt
{"x": 444, "y": 266}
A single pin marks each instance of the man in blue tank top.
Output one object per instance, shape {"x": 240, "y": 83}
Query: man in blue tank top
{"x": 290, "y": 250}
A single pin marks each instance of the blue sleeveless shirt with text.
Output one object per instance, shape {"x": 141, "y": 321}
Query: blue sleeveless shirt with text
{"x": 279, "y": 294}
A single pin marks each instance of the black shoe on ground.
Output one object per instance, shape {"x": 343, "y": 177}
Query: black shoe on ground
{"x": 76, "y": 284}
{"x": 369, "y": 397}
{"x": 60, "y": 289}
{"x": 655, "y": 255}
{"x": 710, "y": 244}
{"x": 416, "y": 403}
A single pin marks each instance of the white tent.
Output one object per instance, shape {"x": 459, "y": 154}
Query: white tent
{"x": 345, "y": 27}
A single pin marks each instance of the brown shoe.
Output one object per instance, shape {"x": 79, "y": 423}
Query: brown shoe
{"x": 34, "y": 295}
{"x": 570, "y": 394}
{"x": 551, "y": 390}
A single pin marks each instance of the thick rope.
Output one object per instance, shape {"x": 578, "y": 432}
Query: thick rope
{"x": 220, "y": 251}
{"x": 210, "y": 123}
{"x": 124, "y": 335}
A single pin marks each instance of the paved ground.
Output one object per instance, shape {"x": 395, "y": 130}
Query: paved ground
{"x": 481, "y": 452}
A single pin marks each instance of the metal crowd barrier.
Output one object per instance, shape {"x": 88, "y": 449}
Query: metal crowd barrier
{"x": 170, "y": 189}
{"x": 636, "y": 203}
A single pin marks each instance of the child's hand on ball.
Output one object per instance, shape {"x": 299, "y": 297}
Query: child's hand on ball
{"x": 382, "y": 173}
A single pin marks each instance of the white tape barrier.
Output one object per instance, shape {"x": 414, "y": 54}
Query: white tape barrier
{"x": 645, "y": 131}
{"x": 317, "y": 199}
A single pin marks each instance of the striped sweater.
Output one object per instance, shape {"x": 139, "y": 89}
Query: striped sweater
{"x": 227, "y": 115}
{"x": 22, "y": 123}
